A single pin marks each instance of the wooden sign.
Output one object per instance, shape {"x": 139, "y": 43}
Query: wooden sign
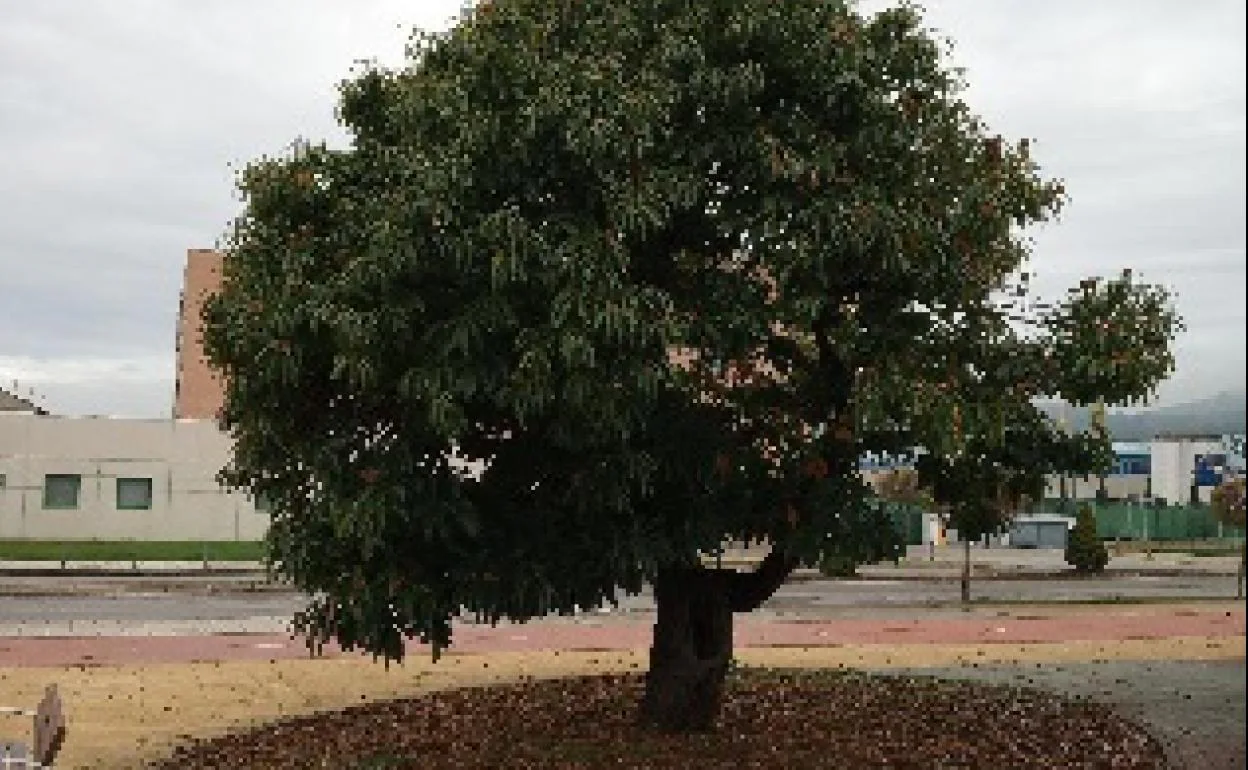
{"x": 49, "y": 727}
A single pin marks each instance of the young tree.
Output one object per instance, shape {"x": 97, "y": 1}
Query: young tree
{"x": 547, "y": 233}
{"x": 1227, "y": 502}
{"x": 1085, "y": 551}
{"x": 985, "y": 479}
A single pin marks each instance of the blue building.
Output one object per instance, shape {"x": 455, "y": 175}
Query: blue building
{"x": 872, "y": 461}
{"x": 1131, "y": 459}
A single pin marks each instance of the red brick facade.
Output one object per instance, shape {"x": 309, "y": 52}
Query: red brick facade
{"x": 199, "y": 392}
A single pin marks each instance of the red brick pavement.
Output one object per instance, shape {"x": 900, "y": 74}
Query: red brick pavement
{"x": 620, "y": 635}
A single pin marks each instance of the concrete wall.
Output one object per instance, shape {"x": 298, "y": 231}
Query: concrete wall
{"x": 181, "y": 457}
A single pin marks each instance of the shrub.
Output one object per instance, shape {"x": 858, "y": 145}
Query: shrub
{"x": 838, "y": 565}
{"x": 1085, "y": 551}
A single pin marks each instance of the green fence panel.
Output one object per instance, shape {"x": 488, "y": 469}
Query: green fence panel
{"x": 1114, "y": 521}
{"x": 1202, "y": 524}
{"x": 914, "y": 534}
{"x": 1181, "y": 522}
{"x": 1173, "y": 523}
{"x": 908, "y": 521}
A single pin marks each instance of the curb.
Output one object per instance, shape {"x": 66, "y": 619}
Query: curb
{"x": 876, "y": 571}
{"x": 146, "y": 572}
{"x": 139, "y": 590}
{"x": 1067, "y": 574}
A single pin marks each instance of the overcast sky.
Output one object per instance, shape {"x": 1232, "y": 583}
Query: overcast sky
{"x": 121, "y": 124}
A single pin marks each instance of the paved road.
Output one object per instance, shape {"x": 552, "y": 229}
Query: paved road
{"x": 808, "y": 598}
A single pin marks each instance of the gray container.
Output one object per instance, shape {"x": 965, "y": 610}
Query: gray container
{"x": 1037, "y": 532}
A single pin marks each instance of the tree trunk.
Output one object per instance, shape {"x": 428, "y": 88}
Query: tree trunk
{"x": 692, "y": 646}
{"x": 690, "y": 653}
{"x": 1239, "y": 575}
{"x": 966, "y": 571}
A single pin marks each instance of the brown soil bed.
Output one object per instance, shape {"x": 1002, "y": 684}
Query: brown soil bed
{"x": 772, "y": 718}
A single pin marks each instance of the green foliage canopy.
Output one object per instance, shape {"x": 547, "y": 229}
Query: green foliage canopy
{"x": 554, "y": 196}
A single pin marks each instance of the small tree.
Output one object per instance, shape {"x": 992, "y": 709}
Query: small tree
{"x": 1085, "y": 551}
{"x": 1228, "y": 506}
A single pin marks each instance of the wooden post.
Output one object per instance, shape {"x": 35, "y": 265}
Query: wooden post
{"x": 1148, "y": 546}
{"x": 966, "y": 570}
{"x": 1239, "y": 575}
{"x": 1098, "y": 421}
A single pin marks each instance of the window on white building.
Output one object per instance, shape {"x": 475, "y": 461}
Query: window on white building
{"x": 61, "y": 491}
{"x": 134, "y": 494}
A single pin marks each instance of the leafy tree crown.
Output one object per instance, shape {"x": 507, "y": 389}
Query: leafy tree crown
{"x": 665, "y": 270}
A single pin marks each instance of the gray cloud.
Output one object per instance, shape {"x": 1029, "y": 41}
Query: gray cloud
{"x": 120, "y": 122}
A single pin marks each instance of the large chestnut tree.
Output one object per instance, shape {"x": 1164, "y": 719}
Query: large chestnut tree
{"x": 666, "y": 270}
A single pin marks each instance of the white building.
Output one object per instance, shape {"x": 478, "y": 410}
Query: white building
{"x": 114, "y": 479}
{"x": 65, "y": 478}
{"x": 101, "y": 478}
{"x": 1233, "y": 446}
{"x": 1174, "y": 466}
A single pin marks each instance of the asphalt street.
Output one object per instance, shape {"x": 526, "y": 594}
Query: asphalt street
{"x": 819, "y": 597}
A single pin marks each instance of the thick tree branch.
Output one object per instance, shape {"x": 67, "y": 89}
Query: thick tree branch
{"x": 748, "y": 590}
{"x": 835, "y": 373}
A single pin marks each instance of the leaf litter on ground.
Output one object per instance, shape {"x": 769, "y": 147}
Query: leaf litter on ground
{"x": 771, "y": 718}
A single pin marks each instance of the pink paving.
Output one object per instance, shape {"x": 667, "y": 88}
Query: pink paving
{"x": 60, "y": 651}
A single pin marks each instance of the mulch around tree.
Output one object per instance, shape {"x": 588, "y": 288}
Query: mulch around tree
{"x": 772, "y": 718}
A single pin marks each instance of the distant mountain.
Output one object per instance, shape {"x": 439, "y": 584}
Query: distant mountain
{"x": 1220, "y": 414}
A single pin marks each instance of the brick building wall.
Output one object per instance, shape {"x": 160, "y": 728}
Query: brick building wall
{"x": 198, "y": 391}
